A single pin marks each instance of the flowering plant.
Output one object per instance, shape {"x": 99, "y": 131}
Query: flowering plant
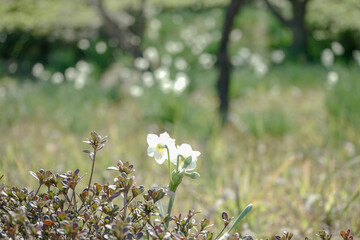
{"x": 184, "y": 158}
{"x": 108, "y": 211}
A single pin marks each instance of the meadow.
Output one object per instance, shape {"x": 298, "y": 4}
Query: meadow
{"x": 291, "y": 146}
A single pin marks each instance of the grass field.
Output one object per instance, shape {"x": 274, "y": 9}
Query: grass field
{"x": 291, "y": 147}
{"x": 283, "y": 149}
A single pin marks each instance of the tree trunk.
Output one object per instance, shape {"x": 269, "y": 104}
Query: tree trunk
{"x": 297, "y": 25}
{"x": 298, "y": 48}
{"x": 223, "y": 59}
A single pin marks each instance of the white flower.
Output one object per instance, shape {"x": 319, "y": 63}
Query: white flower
{"x": 186, "y": 151}
{"x": 157, "y": 147}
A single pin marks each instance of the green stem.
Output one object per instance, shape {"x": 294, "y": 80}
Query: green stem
{"x": 171, "y": 203}
{"x": 92, "y": 168}
{"x": 169, "y": 165}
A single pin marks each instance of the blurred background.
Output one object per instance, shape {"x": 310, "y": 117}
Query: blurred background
{"x": 267, "y": 90}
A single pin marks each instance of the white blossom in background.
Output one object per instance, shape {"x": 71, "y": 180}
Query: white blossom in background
{"x": 45, "y": 76}
{"x": 155, "y": 24}
{"x": 244, "y": 53}
{"x": 13, "y": 67}
{"x": 332, "y": 78}
{"x": 258, "y": 64}
{"x": 237, "y": 61}
{"x": 141, "y": 63}
{"x": 57, "y": 78}
{"x": 207, "y": 60}
{"x": 181, "y": 82}
{"x": 337, "y": 48}
{"x": 174, "y": 47}
{"x": 83, "y": 44}
{"x": 154, "y": 27}
{"x": 83, "y": 70}
{"x": 327, "y": 57}
{"x": 166, "y": 85}
{"x": 83, "y": 66}
{"x": 277, "y": 56}
{"x": 80, "y": 81}
{"x": 162, "y": 72}
{"x": 136, "y": 91}
{"x": 210, "y": 22}
{"x": 151, "y": 54}
{"x": 166, "y": 60}
{"x": 180, "y": 64}
{"x": 37, "y": 70}
{"x": 125, "y": 73}
{"x": 148, "y": 79}
{"x": 71, "y": 74}
{"x": 101, "y": 47}
{"x": 187, "y": 34}
{"x": 196, "y": 49}
{"x": 135, "y": 40}
{"x": 356, "y": 56}
{"x": 235, "y": 35}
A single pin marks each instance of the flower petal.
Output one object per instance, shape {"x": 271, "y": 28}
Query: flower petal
{"x": 152, "y": 139}
{"x": 150, "y": 151}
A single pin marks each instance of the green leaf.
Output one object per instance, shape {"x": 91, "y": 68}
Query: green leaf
{"x": 161, "y": 209}
{"x": 241, "y": 216}
{"x": 193, "y": 175}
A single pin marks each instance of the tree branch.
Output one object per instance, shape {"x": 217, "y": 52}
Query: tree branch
{"x": 277, "y": 13}
{"x": 116, "y": 30}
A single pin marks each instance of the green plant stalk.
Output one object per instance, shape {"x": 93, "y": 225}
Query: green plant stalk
{"x": 171, "y": 200}
{"x": 171, "y": 203}
{"x": 92, "y": 168}
{"x": 169, "y": 165}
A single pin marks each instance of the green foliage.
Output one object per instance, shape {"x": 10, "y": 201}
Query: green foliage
{"x": 273, "y": 122}
{"x": 342, "y": 103}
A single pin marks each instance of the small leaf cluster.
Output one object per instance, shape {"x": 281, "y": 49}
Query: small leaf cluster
{"x": 122, "y": 210}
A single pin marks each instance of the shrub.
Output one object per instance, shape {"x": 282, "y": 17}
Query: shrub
{"x": 62, "y": 212}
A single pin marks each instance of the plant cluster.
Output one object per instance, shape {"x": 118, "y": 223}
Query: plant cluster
{"x": 108, "y": 211}
{"x": 121, "y": 210}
